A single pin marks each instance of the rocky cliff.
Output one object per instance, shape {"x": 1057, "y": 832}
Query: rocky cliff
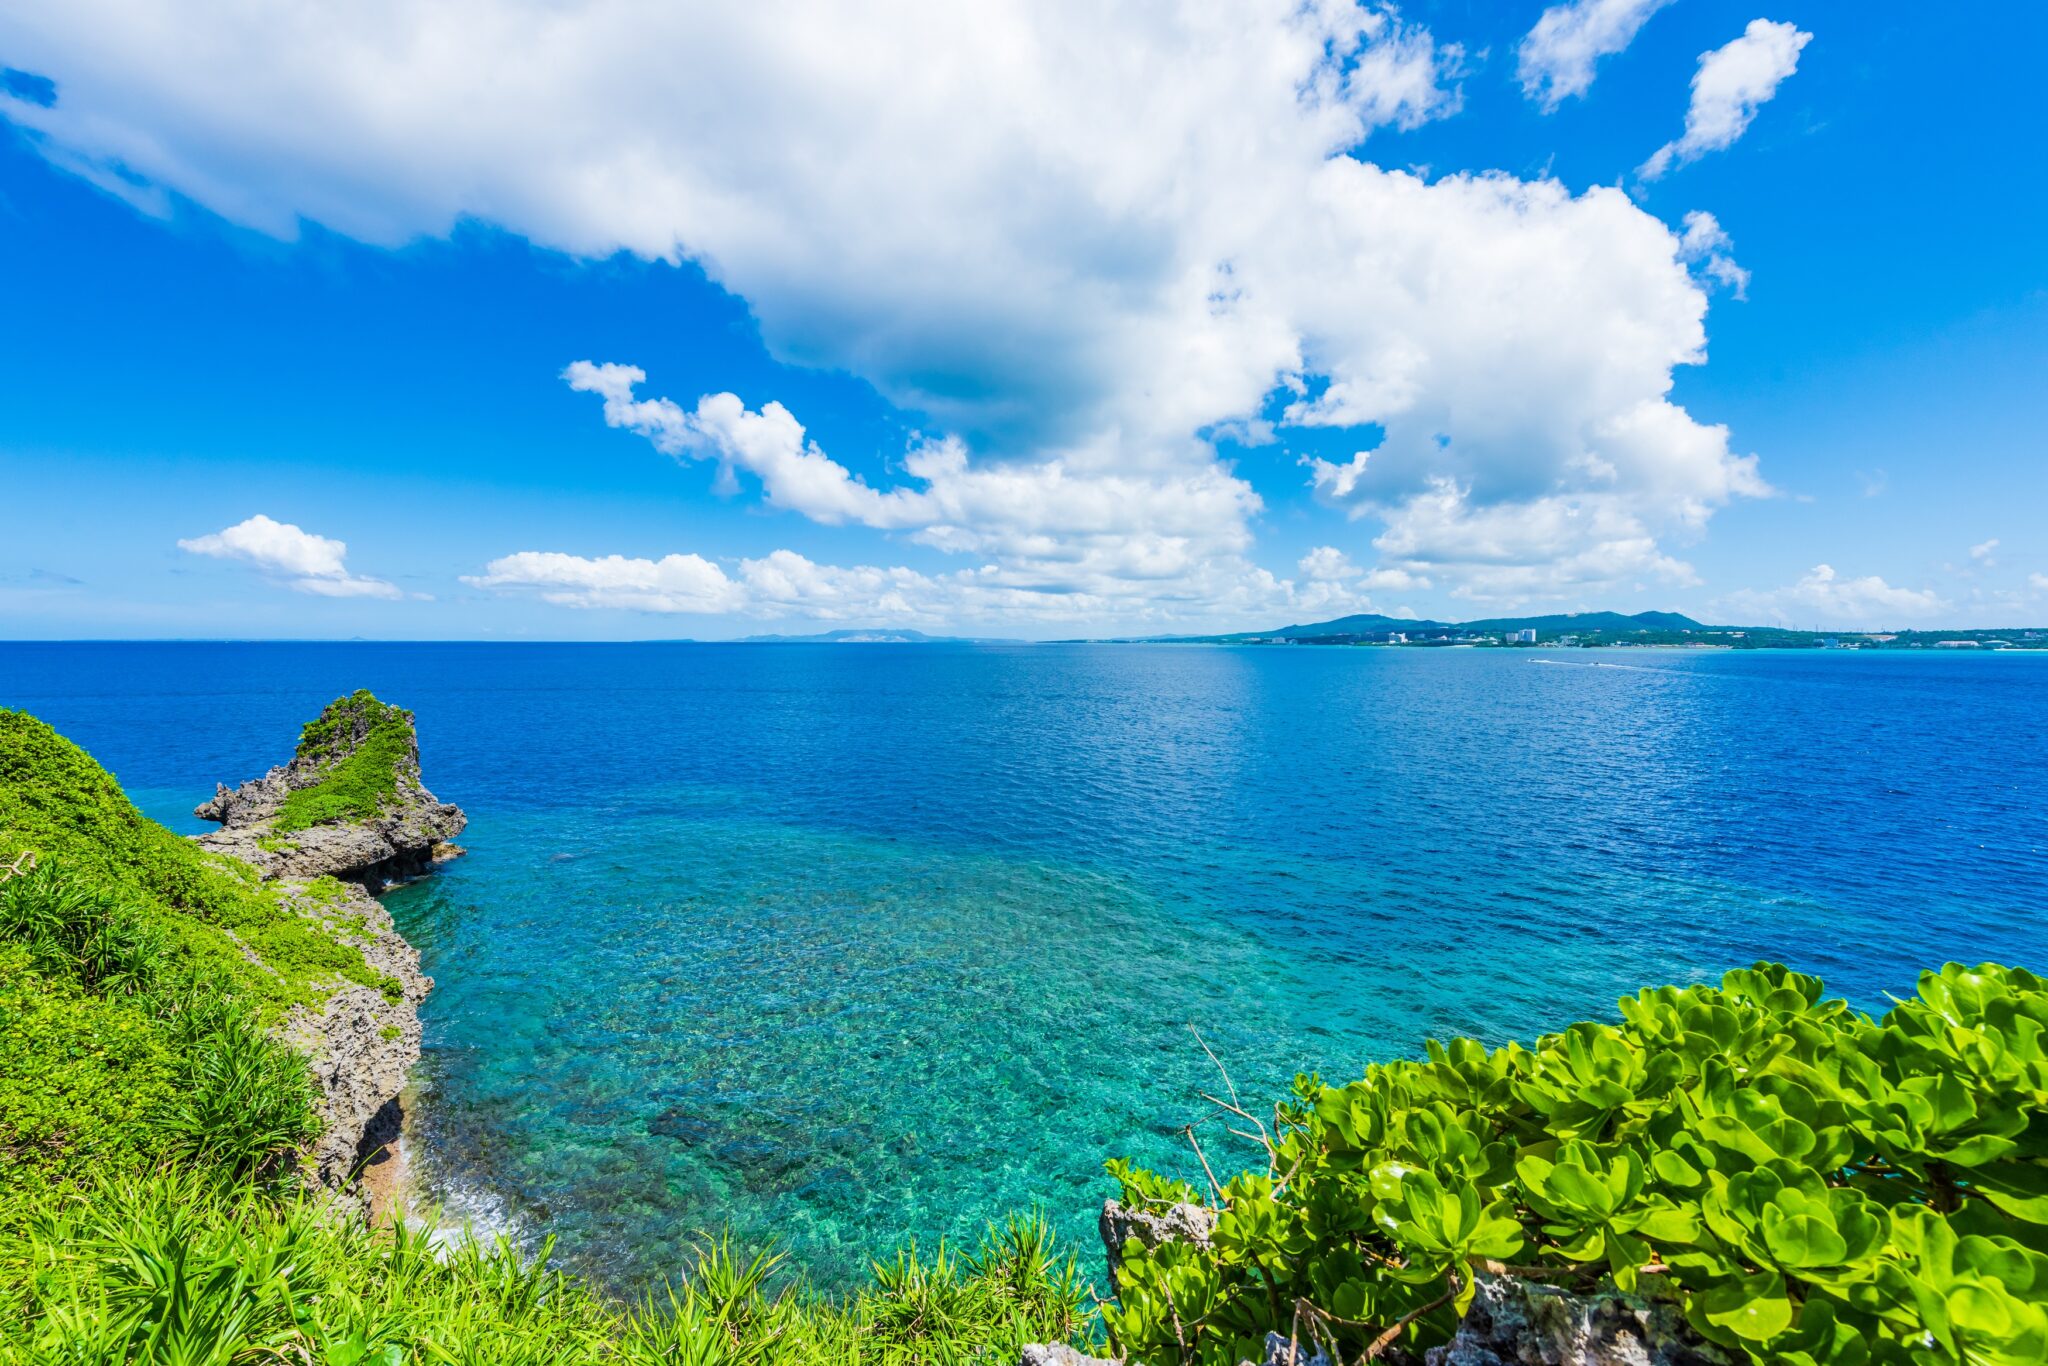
{"x": 345, "y": 817}
{"x": 350, "y": 803}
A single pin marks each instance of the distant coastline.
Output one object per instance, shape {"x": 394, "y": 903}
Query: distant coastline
{"x": 1604, "y": 630}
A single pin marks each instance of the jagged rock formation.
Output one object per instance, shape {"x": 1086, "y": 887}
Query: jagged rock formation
{"x": 1512, "y": 1321}
{"x": 1516, "y": 1322}
{"x": 350, "y": 803}
{"x": 349, "y": 806}
{"x": 1281, "y": 1352}
{"x": 1182, "y": 1223}
{"x": 362, "y": 1042}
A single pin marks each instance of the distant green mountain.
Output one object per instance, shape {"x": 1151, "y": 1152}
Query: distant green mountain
{"x": 1589, "y": 621}
{"x": 1373, "y": 624}
{"x": 872, "y": 636}
{"x": 1362, "y": 624}
{"x": 1370, "y": 624}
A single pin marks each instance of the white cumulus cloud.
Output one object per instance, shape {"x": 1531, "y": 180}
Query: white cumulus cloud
{"x": 1557, "y": 58}
{"x": 1075, "y": 241}
{"x": 292, "y": 556}
{"x": 1732, "y": 83}
{"x": 1982, "y": 551}
{"x": 1825, "y": 598}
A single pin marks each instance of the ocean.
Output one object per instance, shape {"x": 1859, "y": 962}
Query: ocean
{"x": 841, "y": 947}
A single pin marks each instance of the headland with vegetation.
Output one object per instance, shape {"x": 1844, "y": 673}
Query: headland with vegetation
{"x": 195, "y": 1046}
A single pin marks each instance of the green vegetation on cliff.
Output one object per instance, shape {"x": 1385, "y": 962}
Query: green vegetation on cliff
{"x": 216, "y": 920}
{"x": 116, "y": 1059}
{"x": 176, "y": 1271}
{"x": 150, "y": 1129}
{"x": 1812, "y": 1186}
{"x": 373, "y": 742}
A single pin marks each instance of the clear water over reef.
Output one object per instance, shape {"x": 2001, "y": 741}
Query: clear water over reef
{"x": 846, "y": 945}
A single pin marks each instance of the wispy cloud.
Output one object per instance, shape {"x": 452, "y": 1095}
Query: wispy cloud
{"x": 1707, "y": 247}
{"x": 1557, "y": 58}
{"x": 1732, "y": 83}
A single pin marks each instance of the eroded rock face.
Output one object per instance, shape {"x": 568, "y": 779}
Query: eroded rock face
{"x": 1183, "y": 1223}
{"x": 1515, "y": 1322}
{"x": 376, "y": 822}
{"x": 362, "y": 1042}
{"x": 406, "y": 833}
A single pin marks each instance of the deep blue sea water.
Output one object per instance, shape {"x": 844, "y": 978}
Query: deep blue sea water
{"x": 847, "y": 945}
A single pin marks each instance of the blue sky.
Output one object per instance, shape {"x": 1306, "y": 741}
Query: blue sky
{"x": 1084, "y": 319}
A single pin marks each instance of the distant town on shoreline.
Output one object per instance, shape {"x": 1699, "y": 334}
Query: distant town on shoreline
{"x": 1588, "y": 630}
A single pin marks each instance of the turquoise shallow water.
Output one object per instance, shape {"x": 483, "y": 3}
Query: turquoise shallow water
{"x": 845, "y": 946}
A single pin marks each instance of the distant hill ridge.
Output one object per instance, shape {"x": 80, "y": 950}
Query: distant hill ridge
{"x": 1372, "y": 623}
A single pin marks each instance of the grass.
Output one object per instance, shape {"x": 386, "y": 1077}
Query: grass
{"x": 115, "y": 1058}
{"x": 371, "y": 746}
{"x": 211, "y": 916}
{"x": 175, "y": 1270}
{"x": 150, "y": 1129}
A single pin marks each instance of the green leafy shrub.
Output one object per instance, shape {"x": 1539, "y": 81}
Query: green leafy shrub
{"x": 1811, "y": 1185}
{"x": 82, "y": 930}
{"x": 80, "y": 1079}
{"x": 363, "y": 780}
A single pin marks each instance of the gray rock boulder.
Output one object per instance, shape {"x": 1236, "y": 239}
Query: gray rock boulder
{"x": 1514, "y": 1322}
{"x": 1182, "y": 1223}
{"x": 1059, "y": 1354}
{"x": 350, "y": 803}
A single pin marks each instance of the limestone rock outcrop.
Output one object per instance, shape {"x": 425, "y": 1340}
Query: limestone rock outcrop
{"x": 1516, "y": 1322}
{"x": 363, "y": 1041}
{"x": 1182, "y": 1223}
{"x": 349, "y": 804}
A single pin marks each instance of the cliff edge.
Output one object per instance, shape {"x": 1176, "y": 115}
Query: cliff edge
{"x": 350, "y": 804}
{"x": 345, "y": 817}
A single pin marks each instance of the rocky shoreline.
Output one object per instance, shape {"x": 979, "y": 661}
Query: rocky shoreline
{"x": 362, "y": 1041}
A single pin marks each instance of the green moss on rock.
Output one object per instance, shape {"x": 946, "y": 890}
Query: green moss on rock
{"x": 369, "y": 747}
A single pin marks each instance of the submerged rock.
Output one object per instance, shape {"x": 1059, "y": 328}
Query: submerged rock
{"x": 350, "y": 804}
{"x": 1515, "y": 1322}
